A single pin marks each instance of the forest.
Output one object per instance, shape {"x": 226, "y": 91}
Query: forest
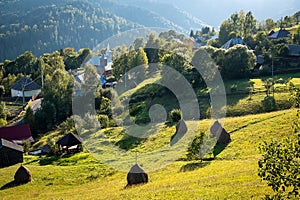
{"x": 46, "y": 26}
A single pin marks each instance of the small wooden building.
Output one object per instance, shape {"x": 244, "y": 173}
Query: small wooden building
{"x": 70, "y": 143}
{"x": 10, "y": 153}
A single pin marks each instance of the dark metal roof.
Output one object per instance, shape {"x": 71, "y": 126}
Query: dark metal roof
{"x": 11, "y": 145}
{"x": 27, "y": 83}
{"x": 69, "y": 140}
{"x": 16, "y": 133}
{"x": 282, "y": 33}
{"x": 234, "y": 41}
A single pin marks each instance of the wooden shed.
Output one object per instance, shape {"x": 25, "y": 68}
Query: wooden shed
{"x": 70, "y": 143}
{"x": 10, "y": 153}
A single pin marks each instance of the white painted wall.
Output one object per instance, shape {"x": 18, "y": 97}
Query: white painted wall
{"x": 17, "y": 93}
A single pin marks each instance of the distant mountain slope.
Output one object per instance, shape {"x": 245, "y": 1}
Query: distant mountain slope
{"x": 168, "y": 11}
{"x": 45, "y": 28}
{"x": 48, "y": 25}
{"x": 140, "y": 15}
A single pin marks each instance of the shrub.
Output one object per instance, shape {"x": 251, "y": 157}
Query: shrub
{"x": 68, "y": 126}
{"x": 264, "y": 70}
{"x": 2, "y": 122}
{"x": 269, "y": 104}
{"x": 90, "y": 122}
{"x": 280, "y": 168}
{"x": 103, "y": 120}
{"x": 201, "y": 145}
{"x": 280, "y": 163}
{"x": 175, "y": 115}
{"x": 233, "y": 88}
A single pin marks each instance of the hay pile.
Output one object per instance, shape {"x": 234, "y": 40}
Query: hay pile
{"x": 136, "y": 175}
{"x": 220, "y": 133}
{"x": 22, "y": 175}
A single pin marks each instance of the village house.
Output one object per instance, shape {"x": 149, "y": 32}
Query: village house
{"x": 10, "y": 153}
{"x": 25, "y": 87}
{"x": 17, "y": 134}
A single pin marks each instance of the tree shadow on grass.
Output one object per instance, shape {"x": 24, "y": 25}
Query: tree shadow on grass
{"x": 218, "y": 148}
{"x": 48, "y": 160}
{"x": 193, "y": 166}
{"x": 129, "y": 142}
{"x": 11, "y": 184}
{"x": 255, "y": 122}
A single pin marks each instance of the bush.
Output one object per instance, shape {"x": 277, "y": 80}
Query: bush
{"x": 68, "y": 126}
{"x": 103, "y": 120}
{"x": 269, "y": 104}
{"x": 280, "y": 168}
{"x": 280, "y": 163}
{"x": 175, "y": 115}
{"x": 264, "y": 70}
{"x": 233, "y": 88}
{"x": 201, "y": 145}
{"x": 90, "y": 122}
{"x": 3, "y": 122}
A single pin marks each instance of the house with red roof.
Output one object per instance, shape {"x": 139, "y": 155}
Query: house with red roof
{"x": 17, "y": 134}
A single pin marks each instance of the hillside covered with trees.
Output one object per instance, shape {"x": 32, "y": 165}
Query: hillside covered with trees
{"x": 46, "y": 26}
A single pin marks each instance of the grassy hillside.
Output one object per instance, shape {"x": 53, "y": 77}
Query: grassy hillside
{"x": 232, "y": 175}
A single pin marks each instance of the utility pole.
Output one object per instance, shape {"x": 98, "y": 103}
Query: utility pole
{"x": 272, "y": 67}
{"x": 125, "y": 78}
{"x": 23, "y": 96}
{"x": 42, "y": 74}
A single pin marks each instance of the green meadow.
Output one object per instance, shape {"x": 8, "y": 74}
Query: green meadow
{"x": 231, "y": 175}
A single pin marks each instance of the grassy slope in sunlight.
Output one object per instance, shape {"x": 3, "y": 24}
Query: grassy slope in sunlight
{"x": 233, "y": 174}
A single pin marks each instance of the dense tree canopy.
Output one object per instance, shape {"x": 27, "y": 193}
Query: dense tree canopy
{"x": 57, "y": 99}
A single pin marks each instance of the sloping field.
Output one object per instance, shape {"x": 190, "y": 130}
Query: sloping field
{"x": 232, "y": 175}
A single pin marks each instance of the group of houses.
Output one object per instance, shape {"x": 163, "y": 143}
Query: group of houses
{"x": 13, "y": 138}
{"x": 293, "y": 53}
{"x": 103, "y": 64}
{"x": 292, "y": 58}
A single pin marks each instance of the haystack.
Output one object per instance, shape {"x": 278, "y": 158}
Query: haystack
{"x": 136, "y": 175}
{"x": 181, "y": 129}
{"x": 220, "y": 133}
{"x": 22, "y": 175}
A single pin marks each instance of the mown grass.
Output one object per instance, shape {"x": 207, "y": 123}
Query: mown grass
{"x": 239, "y": 101}
{"x": 242, "y": 85}
{"x": 232, "y": 175}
